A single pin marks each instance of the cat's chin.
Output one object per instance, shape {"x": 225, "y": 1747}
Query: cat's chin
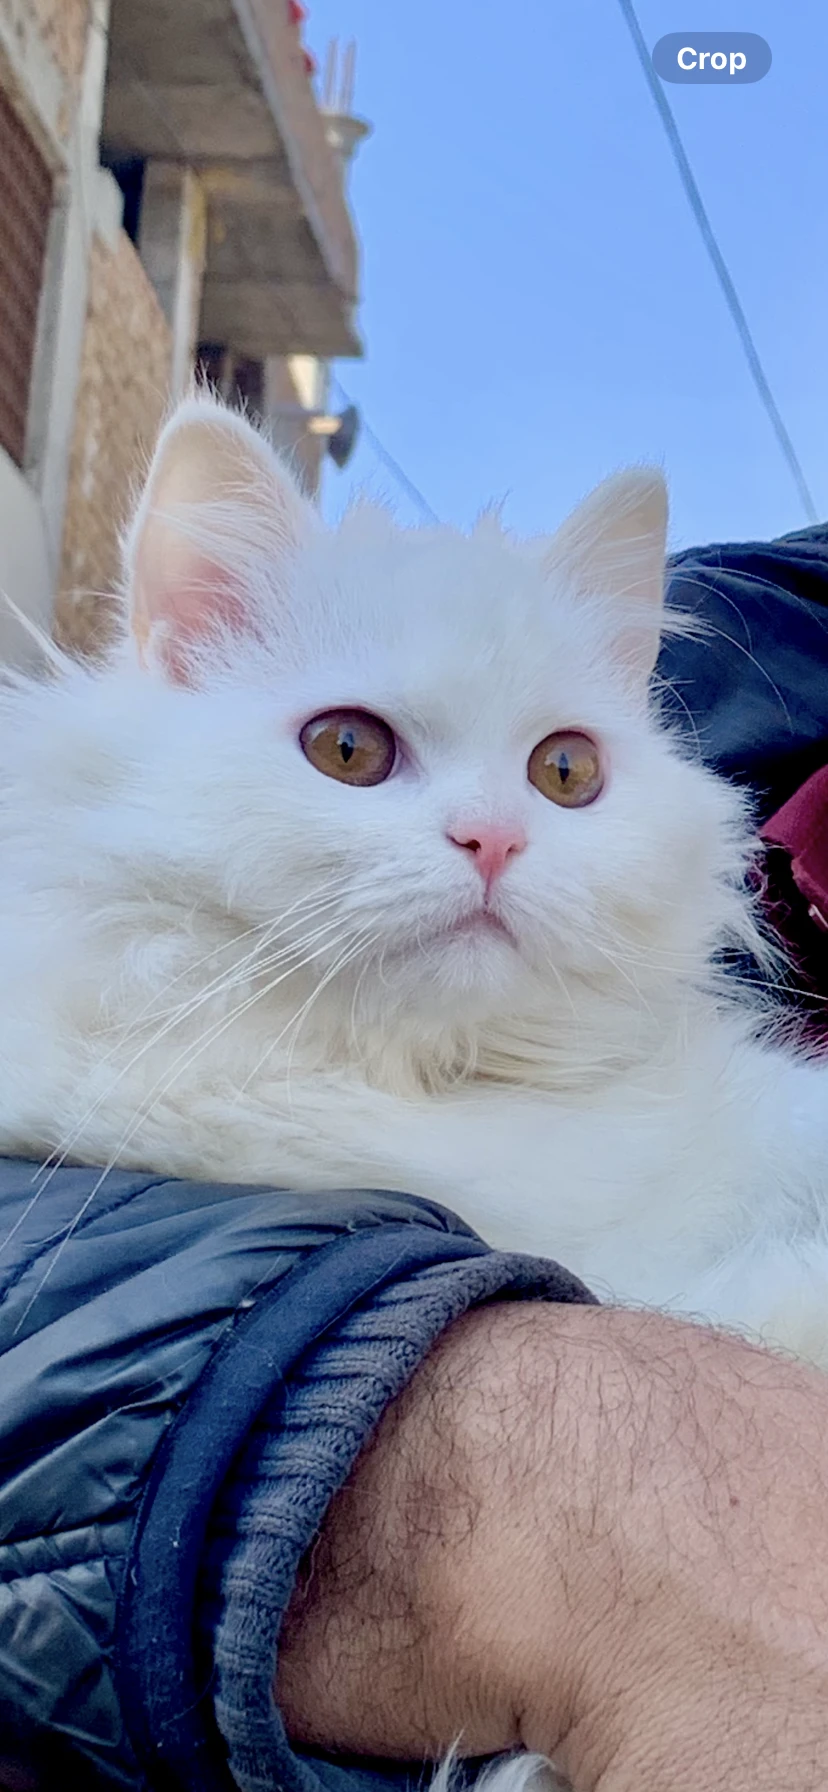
{"x": 478, "y": 935}
{"x": 463, "y": 972}
{"x": 478, "y": 932}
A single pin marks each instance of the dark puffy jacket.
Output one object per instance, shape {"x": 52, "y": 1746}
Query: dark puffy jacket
{"x": 753, "y": 692}
{"x": 146, "y": 1327}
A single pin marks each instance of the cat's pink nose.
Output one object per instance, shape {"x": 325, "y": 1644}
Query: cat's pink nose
{"x": 491, "y": 845}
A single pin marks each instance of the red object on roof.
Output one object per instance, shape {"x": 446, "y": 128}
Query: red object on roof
{"x": 297, "y": 15}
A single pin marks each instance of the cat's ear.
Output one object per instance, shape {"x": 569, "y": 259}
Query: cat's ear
{"x": 614, "y": 546}
{"x": 218, "y": 519}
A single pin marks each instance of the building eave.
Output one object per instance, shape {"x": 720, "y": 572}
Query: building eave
{"x": 222, "y": 86}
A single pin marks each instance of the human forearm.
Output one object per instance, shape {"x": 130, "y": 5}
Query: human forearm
{"x": 594, "y": 1533}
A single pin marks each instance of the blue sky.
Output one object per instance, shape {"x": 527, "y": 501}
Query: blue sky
{"x": 538, "y": 307}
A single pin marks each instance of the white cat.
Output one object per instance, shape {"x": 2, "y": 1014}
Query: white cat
{"x": 365, "y": 861}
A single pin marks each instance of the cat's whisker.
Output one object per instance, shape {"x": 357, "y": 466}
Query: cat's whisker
{"x": 667, "y": 684}
{"x": 360, "y": 946}
{"x": 186, "y": 1012}
{"x": 715, "y": 632}
{"x": 154, "y": 1010}
{"x": 298, "y": 910}
{"x": 781, "y": 989}
{"x": 20, "y": 1221}
{"x": 626, "y": 978}
{"x": 352, "y": 1023}
{"x": 562, "y": 985}
{"x": 712, "y": 574}
{"x": 185, "y": 1060}
{"x": 673, "y": 965}
{"x": 278, "y": 958}
{"x": 241, "y": 973}
{"x": 363, "y": 947}
{"x": 380, "y": 966}
{"x": 51, "y": 1164}
{"x": 123, "y": 1036}
{"x": 353, "y": 941}
{"x": 352, "y": 950}
{"x": 156, "y": 1094}
{"x": 189, "y": 969}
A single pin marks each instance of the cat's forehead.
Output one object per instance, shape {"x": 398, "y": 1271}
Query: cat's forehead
{"x": 435, "y": 574}
{"x": 457, "y": 637}
{"x": 438, "y": 609}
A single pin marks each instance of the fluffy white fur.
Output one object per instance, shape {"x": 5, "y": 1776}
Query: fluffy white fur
{"x": 217, "y": 962}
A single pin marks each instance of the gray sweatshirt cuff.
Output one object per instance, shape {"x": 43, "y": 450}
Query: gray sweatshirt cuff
{"x": 295, "y": 1460}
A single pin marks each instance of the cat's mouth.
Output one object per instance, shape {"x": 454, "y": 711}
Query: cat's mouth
{"x": 481, "y": 924}
{"x": 479, "y": 930}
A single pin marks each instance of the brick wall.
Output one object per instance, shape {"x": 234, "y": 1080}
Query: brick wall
{"x": 121, "y": 400}
{"x": 63, "y": 25}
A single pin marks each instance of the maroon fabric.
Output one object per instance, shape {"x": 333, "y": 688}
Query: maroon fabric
{"x": 796, "y": 891}
{"x": 801, "y": 827}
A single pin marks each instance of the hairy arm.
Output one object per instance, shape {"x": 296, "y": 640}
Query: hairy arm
{"x": 598, "y": 1534}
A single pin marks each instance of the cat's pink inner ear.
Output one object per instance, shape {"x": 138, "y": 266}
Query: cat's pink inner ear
{"x": 192, "y": 597}
{"x": 218, "y": 515}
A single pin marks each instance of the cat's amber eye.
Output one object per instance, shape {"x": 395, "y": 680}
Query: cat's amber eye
{"x": 350, "y": 746}
{"x": 566, "y": 767}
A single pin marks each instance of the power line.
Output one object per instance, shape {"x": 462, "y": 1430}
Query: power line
{"x": 690, "y": 185}
{"x": 388, "y": 460}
